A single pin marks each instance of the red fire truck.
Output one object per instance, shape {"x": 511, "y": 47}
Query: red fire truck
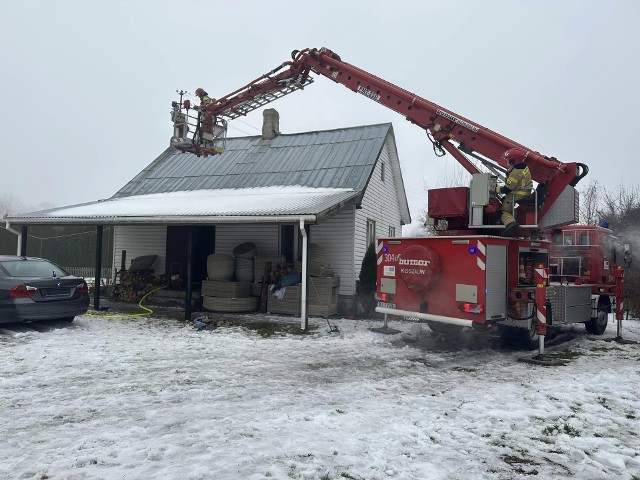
{"x": 467, "y": 274}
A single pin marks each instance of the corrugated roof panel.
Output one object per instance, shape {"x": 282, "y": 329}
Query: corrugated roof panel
{"x": 250, "y": 161}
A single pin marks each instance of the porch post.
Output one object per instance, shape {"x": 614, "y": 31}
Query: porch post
{"x": 96, "y": 284}
{"x": 187, "y": 305}
{"x": 23, "y": 241}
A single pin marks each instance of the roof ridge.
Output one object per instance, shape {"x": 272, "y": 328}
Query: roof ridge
{"x": 387, "y": 124}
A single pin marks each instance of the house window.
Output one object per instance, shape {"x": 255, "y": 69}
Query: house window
{"x": 382, "y": 171}
{"x": 371, "y": 232}
{"x": 392, "y": 231}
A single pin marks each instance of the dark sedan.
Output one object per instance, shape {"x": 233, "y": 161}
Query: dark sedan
{"x": 33, "y": 289}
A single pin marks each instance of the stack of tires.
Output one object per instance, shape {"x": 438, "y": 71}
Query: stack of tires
{"x": 220, "y": 292}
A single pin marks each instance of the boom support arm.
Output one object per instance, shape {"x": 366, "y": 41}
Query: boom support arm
{"x": 447, "y": 130}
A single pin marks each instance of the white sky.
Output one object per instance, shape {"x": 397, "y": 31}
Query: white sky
{"x": 153, "y": 398}
{"x": 87, "y": 86}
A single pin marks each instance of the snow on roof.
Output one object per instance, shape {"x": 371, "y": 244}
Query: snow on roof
{"x": 242, "y": 202}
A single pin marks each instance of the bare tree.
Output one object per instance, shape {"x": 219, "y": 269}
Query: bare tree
{"x": 590, "y": 203}
{"x": 10, "y": 204}
{"x": 621, "y": 209}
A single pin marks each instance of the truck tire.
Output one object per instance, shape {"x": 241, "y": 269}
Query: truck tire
{"x": 529, "y": 337}
{"x": 597, "y": 325}
{"x": 444, "y": 328}
{"x": 521, "y": 338}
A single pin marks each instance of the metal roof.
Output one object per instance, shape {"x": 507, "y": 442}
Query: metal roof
{"x": 342, "y": 158}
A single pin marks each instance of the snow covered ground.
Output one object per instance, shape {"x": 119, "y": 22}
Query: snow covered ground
{"x": 154, "y": 398}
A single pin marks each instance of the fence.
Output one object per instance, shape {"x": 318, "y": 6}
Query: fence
{"x": 106, "y": 274}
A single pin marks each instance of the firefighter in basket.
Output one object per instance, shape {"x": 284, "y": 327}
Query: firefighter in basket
{"x": 205, "y": 119}
{"x": 517, "y": 186}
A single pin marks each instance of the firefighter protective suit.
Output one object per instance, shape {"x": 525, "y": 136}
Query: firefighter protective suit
{"x": 518, "y": 186}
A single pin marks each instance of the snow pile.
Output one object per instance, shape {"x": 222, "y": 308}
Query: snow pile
{"x": 155, "y": 398}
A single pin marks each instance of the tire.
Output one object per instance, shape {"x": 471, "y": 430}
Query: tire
{"x": 598, "y": 325}
{"x": 66, "y": 319}
{"x": 521, "y": 338}
{"x": 529, "y": 337}
{"x": 445, "y": 328}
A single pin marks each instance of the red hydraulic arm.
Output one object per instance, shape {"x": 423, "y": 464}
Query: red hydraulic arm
{"x": 447, "y": 130}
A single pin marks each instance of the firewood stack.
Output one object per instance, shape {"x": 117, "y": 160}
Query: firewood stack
{"x": 135, "y": 285}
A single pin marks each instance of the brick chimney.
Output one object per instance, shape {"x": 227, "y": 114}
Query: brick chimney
{"x": 270, "y": 124}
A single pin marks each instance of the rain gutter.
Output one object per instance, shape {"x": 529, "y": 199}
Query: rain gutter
{"x": 163, "y": 220}
{"x": 304, "y": 322}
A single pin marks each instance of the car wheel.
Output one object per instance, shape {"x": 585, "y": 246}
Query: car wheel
{"x": 598, "y": 325}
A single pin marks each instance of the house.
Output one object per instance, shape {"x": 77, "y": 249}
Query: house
{"x": 339, "y": 189}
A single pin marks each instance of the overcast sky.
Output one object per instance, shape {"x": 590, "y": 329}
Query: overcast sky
{"x": 87, "y": 85}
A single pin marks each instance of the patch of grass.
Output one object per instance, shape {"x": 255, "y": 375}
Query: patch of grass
{"x": 576, "y": 408}
{"x": 565, "y": 355}
{"x": 269, "y": 329}
{"x": 349, "y": 476}
{"x": 325, "y": 476}
{"x": 630, "y": 415}
{"x": 516, "y": 463}
{"x": 419, "y": 360}
{"x": 465, "y": 369}
{"x": 555, "y": 429}
{"x": 604, "y": 402}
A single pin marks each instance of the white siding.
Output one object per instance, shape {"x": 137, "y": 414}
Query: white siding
{"x": 138, "y": 241}
{"x": 336, "y": 237}
{"x": 380, "y": 203}
{"x": 265, "y": 237}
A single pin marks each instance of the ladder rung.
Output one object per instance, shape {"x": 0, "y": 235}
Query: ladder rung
{"x": 262, "y": 100}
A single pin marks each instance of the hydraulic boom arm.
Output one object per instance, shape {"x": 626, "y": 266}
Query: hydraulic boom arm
{"x": 447, "y": 130}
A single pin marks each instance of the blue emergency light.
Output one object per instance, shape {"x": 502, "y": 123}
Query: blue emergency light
{"x": 473, "y": 250}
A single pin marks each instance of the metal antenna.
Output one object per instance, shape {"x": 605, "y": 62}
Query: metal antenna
{"x": 181, "y": 93}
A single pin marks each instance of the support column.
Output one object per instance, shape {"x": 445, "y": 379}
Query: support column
{"x": 541, "y": 274}
{"x": 97, "y": 279}
{"x": 23, "y": 241}
{"x": 187, "y": 302}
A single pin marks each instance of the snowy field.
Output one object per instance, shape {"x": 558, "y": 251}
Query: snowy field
{"x": 154, "y": 398}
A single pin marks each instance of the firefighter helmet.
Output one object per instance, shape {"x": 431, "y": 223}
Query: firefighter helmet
{"x": 200, "y": 92}
{"x": 514, "y": 155}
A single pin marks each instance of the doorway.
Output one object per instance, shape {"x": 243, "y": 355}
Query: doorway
{"x": 204, "y": 243}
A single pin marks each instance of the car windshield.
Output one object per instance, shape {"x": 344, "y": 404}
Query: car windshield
{"x": 32, "y": 268}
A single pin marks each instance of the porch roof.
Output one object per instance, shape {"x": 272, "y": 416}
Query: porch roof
{"x": 274, "y": 204}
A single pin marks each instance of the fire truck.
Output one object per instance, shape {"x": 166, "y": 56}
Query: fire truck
{"x": 468, "y": 274}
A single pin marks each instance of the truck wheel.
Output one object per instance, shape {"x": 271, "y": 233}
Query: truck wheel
{"x": 529, "y": 336}
{"x": 598, "y": 325}
{"x": 445, "y": 328}
{"x": 516, "y": 337}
